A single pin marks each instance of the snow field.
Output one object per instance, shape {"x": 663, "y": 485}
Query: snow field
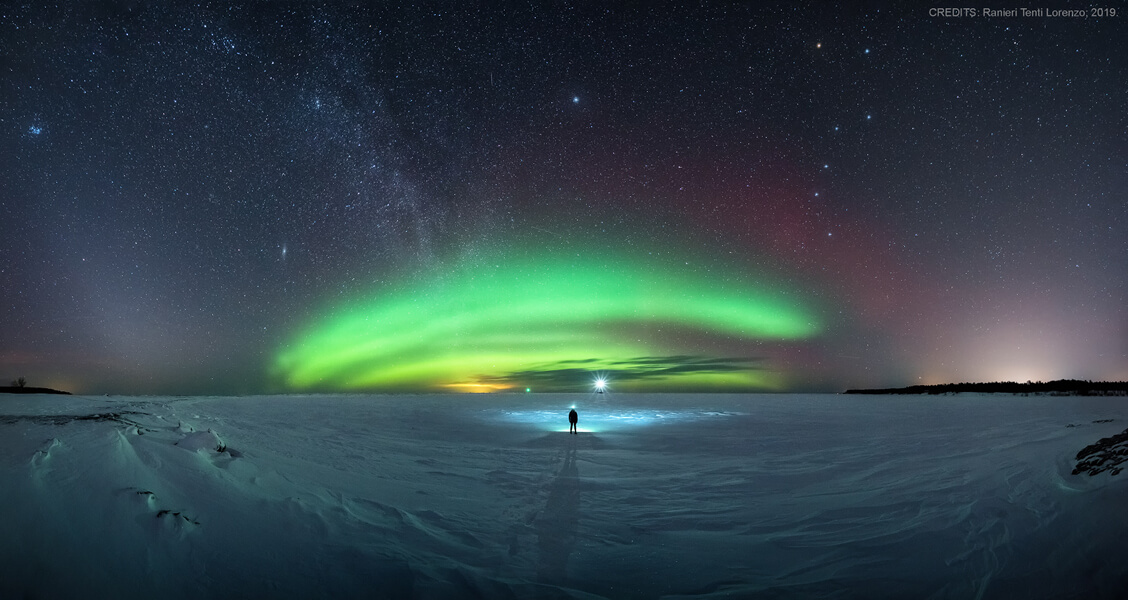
{"x": 487, "y": 496}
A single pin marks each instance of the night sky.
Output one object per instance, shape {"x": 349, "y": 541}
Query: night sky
{"x": 289, "y": 197}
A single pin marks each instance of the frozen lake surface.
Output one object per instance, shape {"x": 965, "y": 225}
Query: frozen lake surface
{"x": 675, "y": 496}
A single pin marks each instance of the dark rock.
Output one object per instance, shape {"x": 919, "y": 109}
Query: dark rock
{"x": 1105, "y": 455}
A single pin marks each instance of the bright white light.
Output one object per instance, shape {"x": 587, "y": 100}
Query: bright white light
{"x": 600, "y": 384}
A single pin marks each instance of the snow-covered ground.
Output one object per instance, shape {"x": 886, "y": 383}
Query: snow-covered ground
{"x": 774, "y": 496}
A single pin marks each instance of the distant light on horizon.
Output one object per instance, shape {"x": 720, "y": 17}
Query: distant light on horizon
{"x": 1038, "y": 343}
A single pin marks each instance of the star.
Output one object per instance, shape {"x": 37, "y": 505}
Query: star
{"x": 575, "y": 99}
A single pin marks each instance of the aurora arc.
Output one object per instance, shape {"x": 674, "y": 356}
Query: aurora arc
{"x": 546, "y": 321}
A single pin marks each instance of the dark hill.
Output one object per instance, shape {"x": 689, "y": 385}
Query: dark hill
{"x": 11, "y": 389}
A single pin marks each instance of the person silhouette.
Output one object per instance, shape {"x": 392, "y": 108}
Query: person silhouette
{"x": 573, "y": 418}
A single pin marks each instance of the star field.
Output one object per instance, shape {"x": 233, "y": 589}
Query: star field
{"x": 194, "y": 193}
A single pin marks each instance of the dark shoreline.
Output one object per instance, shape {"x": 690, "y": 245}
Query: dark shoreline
{"x": 11, "y": 389}
{"x": 1061, "y": 387}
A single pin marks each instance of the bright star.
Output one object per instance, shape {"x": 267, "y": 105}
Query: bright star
{"x": 575, "y": 99}
{"x": 35, "y": 130}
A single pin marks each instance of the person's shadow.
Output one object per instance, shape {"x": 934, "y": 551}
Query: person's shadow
{"x": 556, "y": 524}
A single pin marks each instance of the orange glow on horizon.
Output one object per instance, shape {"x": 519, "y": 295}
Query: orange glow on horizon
{"x": 479, "y": 388}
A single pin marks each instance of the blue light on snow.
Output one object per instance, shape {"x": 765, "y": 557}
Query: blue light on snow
{"x": 604, "y": 419}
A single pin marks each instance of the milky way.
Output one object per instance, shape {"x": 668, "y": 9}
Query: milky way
{"x": 726, "y": 197}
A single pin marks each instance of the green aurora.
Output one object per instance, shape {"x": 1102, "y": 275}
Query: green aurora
{"x": 550, "y": 321}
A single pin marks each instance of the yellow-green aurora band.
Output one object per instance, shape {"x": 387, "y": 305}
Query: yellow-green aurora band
{"x": 517, "y": 323}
